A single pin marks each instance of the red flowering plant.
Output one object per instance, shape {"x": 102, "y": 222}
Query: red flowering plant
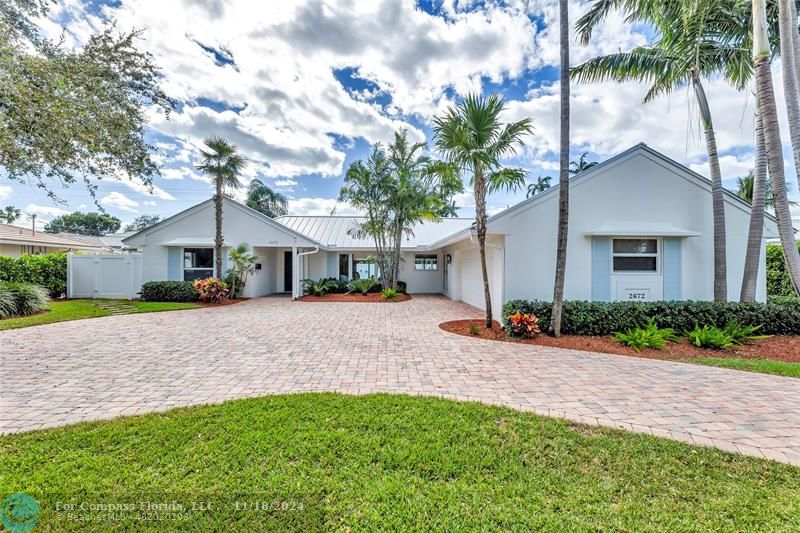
{"x": 211, "y": 290}
{"x": 523, "y": 325}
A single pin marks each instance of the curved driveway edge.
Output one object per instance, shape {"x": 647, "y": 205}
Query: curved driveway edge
{"x": 123, "y": 365}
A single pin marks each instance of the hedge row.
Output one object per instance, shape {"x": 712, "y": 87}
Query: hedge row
{"x": 48, "y": 271}
{"x": 169, "y": 291}
{"x": 781, "y": 316}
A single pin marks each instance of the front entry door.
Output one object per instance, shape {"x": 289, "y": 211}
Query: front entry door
{"x": 287, "y": 271}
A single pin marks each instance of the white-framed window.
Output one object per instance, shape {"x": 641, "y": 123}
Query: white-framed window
{"x": 426, "y": 262}
{"x": 364, "y": 267}
{"x": 635, "y": 256}
{"x": 198, "y": 263}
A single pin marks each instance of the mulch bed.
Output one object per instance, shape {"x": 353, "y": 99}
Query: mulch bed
{"x": 778, "y": 348}
{"x": 374, "y": 297}
{"x": 228, "y": 301}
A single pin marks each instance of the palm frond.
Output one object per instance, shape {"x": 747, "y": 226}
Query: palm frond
{"x": 505, "y": 179}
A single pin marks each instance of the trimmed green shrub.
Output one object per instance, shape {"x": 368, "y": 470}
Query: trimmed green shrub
{"x": 647, "y": 336}
{"x": 778, "y": 282}
{"x": 169, "y": 291}
{"x": 48, "y": 271}
{"x": 603, "y": 318}
{"x": 24, "y": 299}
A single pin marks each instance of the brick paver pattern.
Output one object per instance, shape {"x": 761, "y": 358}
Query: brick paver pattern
{"x": 102, "y": 368}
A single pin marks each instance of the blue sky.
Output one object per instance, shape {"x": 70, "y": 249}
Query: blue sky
{"x": 305, "y": 87}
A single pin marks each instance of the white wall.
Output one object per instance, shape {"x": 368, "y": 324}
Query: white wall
{"x": 422, "y": 281}
{"x": 639, "y": 189}
{"x": 464, "y": 276}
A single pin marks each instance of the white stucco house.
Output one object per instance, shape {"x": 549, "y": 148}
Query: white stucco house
{"x": 640, "y": 229}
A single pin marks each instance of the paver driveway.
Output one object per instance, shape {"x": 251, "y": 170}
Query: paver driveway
{"x": 101, "y": 368}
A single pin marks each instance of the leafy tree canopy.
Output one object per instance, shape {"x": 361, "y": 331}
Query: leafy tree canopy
{"x": 143, "y": 222}
{"x": 73, "y": 114}
{"x": 96, "y": 224}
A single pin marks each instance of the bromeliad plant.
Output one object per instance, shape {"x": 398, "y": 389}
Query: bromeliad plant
{"x": 523, "y": 325}
{"x": 647, "y": 336}
{"x": 211, "y": 290}
{"x": 389, "y": 294}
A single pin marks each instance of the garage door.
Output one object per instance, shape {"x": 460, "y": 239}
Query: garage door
{"x": 472, "y": 280}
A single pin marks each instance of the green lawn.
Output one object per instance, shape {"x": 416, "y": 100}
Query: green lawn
{"x": 62, "y": 310}
{"x": 764, "y": 366}
{"x": 327, "y": 461}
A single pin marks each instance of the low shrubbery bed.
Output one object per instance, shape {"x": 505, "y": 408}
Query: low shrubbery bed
{"x": 21, "y": 299}
{"x": 48, "y": 271}
{"x": 169, "y": 291}
{"x": 778, "y": 317}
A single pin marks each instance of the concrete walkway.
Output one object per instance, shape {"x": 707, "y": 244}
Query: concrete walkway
{"x": 121, "y": 365}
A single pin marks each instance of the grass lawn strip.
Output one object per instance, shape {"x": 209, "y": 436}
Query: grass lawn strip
{"x": 763, "y": 366}
{"x": 63, "y": 310}
{"x": 328, "y": 461}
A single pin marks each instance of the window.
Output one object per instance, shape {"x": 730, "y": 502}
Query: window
{"x": 364, "y": 267}
{"x": 198, "y": 263}
{"x": 635, "y": 255}
{"x": 426, "y": 262}
{"x": 344, "y": 267}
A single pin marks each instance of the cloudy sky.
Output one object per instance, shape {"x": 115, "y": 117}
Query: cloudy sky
{"x": 304, "y": 87}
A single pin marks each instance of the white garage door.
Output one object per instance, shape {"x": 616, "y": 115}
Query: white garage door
{"x": 472, "y": 280}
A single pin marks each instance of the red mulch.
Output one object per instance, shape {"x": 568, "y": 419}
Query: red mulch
{"x": 227, "y": 301}
{"x": 371, "y": 297}
{"x": 778, "y": 348}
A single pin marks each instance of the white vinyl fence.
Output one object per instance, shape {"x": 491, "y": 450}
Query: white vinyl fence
{"x": 104, "y": 275}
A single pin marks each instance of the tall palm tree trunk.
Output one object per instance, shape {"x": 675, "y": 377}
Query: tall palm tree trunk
{"x": 767, "y": 106}
{"x": 717, "y": 193}
{"x": 790, "y": 47}
{"x": 480, "y": 228}
{"x": 755, "y": 235}
{"x": 563, "y": 177}
{"x": 218, "y": 235}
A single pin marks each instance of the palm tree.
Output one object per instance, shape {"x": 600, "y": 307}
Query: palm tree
{"x": 765, "y": 100}
{"x": 541, "y": 185}
{"x": 576, "y": 167}
{"x": 471, "y": 136}
{"x": 687, "y": 48}
{"x": 755, "y": 189}
{"x": 222, "y": 161}
{"x": 265, "y": 200}
{"x": 563, "y": 173}
{"x": 10, "y": 214}
{"x": 745, "y": 185}
{"x": 790, "y": 55}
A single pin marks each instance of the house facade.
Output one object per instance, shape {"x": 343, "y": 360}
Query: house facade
{"x": 640, "y": 229}
{"x": 16, "y": 241}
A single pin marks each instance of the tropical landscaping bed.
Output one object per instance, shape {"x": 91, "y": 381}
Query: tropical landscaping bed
{"x": 776, "y": 355}
{"x": 330, "y": 461}
{"x": 373, "y": 297}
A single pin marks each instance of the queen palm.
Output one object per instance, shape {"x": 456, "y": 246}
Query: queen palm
{"x": 222, "y": 161}
{"x": 10, "y": 214}
{"x": 691, "y": 44}
{"x": 765, "y": 99}
{"x": 265, "y": 200}
{"x": 472, "y": 138}
{"x": 563, "y": 172}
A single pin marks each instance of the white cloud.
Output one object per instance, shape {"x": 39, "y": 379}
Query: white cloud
{"x": 319, "y": 206}
{"x": 44, "y": 213}
{"x": 120, "y": 201}
{"x": 5, "y": 192}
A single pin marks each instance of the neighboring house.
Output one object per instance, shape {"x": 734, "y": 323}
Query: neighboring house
{"x": 16, "y": 241}
{"x": 107, "y": 243}
{"x": 640, "y": 229}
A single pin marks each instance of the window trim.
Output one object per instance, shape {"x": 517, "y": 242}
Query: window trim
{"x": 657, "y": 255}
{"x": 184, "y": 268}
{"x": 373, "y": 265}
{"x": 426, "y": 258}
